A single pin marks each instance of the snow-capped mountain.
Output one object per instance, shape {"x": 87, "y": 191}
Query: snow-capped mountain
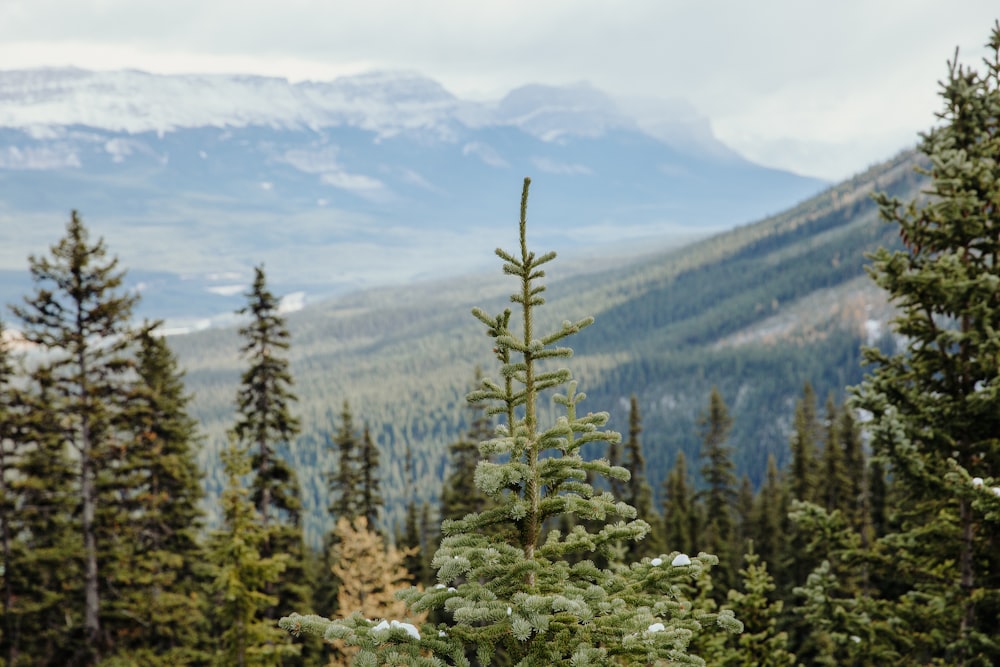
{"x": 366, "y": 179}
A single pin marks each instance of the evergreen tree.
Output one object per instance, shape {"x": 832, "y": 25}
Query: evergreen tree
{"x": 803, "y": 473}
{"x": 834, "y": 486}
{"x": 80, "y": 317}
{"x": 263, "y": 422}
{"x": 854, "y": 467}
{"x": 679, "y": 513}
{"x": 242, "y": 577}
{"x": 44, "y": 570}
{"x": 263, "y": 405}
{"x": 371, "y": 495}
{"x": 9, "y": 437}
{"x": 762, "y": 644}
{"x": 719, "y": 532}
{"x": 345, "y": 482}
{"x": 157, "y": 579}
{"x": 936, "y": 402}
{"x": 459, "y": 494}
{"x": 770, "y": 511}
{"x": 637, "y": 492}
{"x": 510, "y": 591}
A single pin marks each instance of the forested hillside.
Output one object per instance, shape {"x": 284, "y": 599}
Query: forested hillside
{"x": 669, "y": 326}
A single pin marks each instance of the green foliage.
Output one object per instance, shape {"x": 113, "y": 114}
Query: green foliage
{"x": 80, "y": 317}
{"x": 263, "y": 404}
{"x": 241, "y": 577}
{"x": 345, "y": 483}
{"x": 762, "y": 644}
{"x": 638, "y": 493}
{"x": 509, "y": 590}
{"x": 718, "y": 533}
{"x": 680, "y": 514}
{"x": 936, "y": 403}
{"x": 158, "y": 572}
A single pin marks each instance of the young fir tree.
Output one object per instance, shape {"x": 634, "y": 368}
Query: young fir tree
{"x": 680, "y": 517}
{"x": 80, "y": 317}
{"x": 936, "y": 402}
{"x": 511, "y": 591}
{"x": 242, "y": 576}
{"x": 264, "y": 421}
{"x": 762, "y": 644}
{"x": 637, "y": 492}
{"x": 718, "y": 535}
{"x": 158, "y": 582}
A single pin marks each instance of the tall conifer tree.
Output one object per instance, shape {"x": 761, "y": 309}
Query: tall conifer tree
{"x": 936, "y": 402}
{"x": 345, "y": 481}
{"x": 264, "y": 421}
{"x": 637, "y": 492}
{"x": 719, "y": 532}
{"x": 160, "y": 603}
{"x": 679, "y": 513}
{"x": 80, "y": 316}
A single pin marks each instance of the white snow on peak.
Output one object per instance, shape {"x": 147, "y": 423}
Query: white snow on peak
{"x": 133, "y": 101}
{"x": 656, "y": 627}
{"x": 42, "y": 102}
{"x": 680, "y": 560}
{"x": 656, "y": 562}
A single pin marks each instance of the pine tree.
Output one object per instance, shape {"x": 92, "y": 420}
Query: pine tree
{"x": 263, "y": 405}
{"x": 509, "y": 591}
{"x": 80, "y": 317}
{"x": 371, "y": 495}
{"x": 679, "y": 513}
{"x": 834, "y": 486}
{"x": 803, "y": 473}
{"x": 771, "y": 509}
{"x": 637, "y": 492}
{"x": 265, "y": 421}
{"x": 854, "y": 468}
{"x": 242, "y": 577}
{"x": 158, "y": 581}
{"x": 44, "y": 571}
{"x": 936, "y": 402}
{"x": 345, "y": 482}
{"x": 762, "y": 644}
{"x": 459, "y": 494}
{"x": 719, "y": 531}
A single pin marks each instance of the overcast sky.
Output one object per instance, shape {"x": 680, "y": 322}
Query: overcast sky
{"x": 821, "y": 88}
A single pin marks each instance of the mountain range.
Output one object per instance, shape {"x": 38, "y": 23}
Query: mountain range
{"x": 356, "y": 182}
{"x": 757, "y": 312}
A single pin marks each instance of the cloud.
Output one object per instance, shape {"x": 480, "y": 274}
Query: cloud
{"x": 485, "y": 153}
{"x": 560, "y": 168}
{"x": 823, "y": 76}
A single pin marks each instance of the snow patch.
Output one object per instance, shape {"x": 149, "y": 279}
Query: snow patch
{"x": 680, "y": 560}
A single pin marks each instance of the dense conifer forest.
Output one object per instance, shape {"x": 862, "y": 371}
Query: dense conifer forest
{"x": 868, "y": 535}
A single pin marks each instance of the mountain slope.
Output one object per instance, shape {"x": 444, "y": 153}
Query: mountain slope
{"x": 670, "y": 325}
